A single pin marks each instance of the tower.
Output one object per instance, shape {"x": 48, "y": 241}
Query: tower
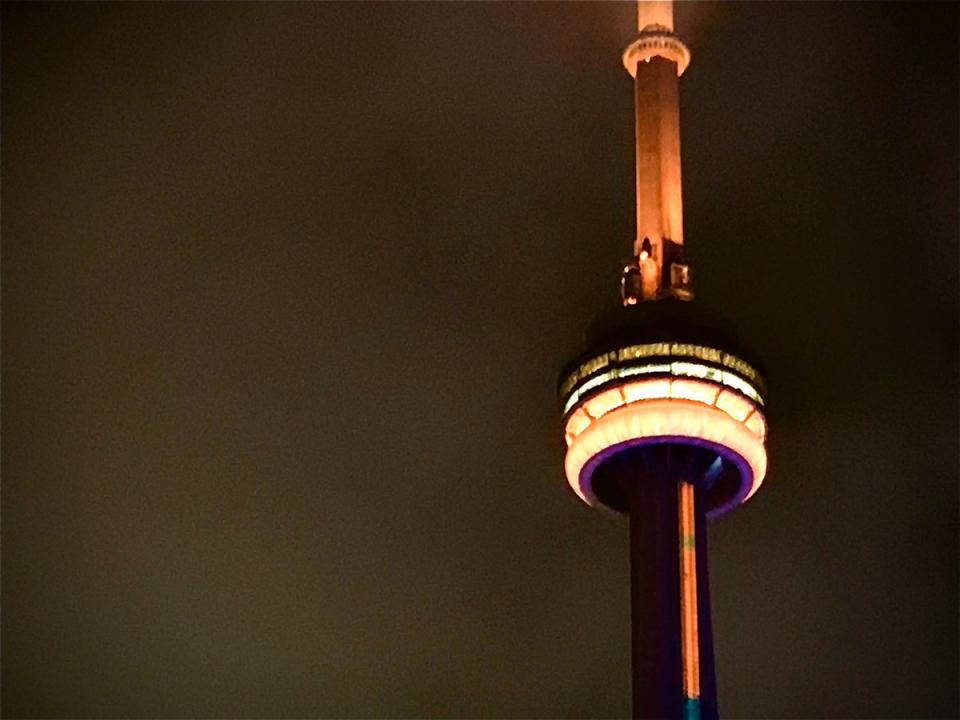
{"x": 663, "y": 412}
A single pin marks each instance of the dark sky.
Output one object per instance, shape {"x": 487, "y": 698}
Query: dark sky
{"x": 285, "y": 291}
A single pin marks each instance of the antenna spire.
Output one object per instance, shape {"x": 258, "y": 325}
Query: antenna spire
{"x": 655, "y": 60}
{"x": 654, "y": 12}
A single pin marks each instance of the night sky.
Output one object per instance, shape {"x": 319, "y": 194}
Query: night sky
{"x": 286, "y": 288}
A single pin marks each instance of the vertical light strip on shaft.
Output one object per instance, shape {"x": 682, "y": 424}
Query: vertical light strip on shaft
{"x": 688, "y": 603}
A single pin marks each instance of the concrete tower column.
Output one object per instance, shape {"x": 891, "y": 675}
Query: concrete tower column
{"x": 655, "y": 61}
{"x": 654, "y": 12}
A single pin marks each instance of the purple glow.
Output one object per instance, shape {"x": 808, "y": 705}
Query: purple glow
{"x": 746, "y": 473}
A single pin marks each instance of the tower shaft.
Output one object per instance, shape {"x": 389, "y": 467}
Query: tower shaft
{"x": 671, "y": 644}
{"x": 659, "y": 203}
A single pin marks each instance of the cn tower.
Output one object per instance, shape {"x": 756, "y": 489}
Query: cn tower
{"x": 663, "y": 412}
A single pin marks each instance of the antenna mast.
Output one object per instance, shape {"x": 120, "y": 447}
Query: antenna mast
{"x": 655, "y": 60}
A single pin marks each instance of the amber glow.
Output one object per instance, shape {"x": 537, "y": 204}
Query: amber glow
{"x": 706, "y": 393}
{"x": 757, "y": 424}
{"x": 578, "y": 422}
{"x": 662, "y": 418}
{"x": 654, "y": 12}
{"x": 601, "y": 404}
{"x": 693, "y": 390}
{"x": 664, "y": 44}
{"x": 649, "y": 276}
{"x": 646, "y": 390}
{"x": 734, "y": 405}
{"x": 688, "y": 593}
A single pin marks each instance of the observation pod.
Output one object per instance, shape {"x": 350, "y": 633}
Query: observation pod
{"x": 664, "y": 384}
{"x": 663, "y": 417}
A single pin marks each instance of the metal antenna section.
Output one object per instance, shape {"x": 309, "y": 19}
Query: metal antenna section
{"x": 655, "y": 60}
{"x": 654, "y": 12}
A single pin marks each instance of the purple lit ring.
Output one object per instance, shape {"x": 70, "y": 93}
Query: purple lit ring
{"x": 745, "y": 471}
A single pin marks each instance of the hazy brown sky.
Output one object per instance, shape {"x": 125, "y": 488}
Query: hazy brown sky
{"x": 286, "y": 287}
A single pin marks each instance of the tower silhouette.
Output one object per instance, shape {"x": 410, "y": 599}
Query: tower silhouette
{"x": 663, "y": 413}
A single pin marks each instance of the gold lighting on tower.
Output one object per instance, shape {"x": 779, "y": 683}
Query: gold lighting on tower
{"x": 664, "y": 411}
{"x": 655, "y": 60}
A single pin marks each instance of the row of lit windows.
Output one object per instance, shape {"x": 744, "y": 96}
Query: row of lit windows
{"x": 681, "y": 369}
{"x": 658, "y": 350}
{"x": 734, "y": 405}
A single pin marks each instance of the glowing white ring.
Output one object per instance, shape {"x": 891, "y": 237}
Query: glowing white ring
{"x": 677, "y": 368}
{"x": 648, "y": 419}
